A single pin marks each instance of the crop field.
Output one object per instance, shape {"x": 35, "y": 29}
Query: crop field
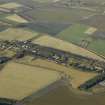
{"x": 95, "y": 21}
{"x": 20, "y": 81}
{"x": 66, "y": 46}
{"x": 51, "y": 28}
{"x": 98, "y": 46}
{"x": 17, "y": 34}
{"x": 75, "y": 34}
{"x": 54, "y": 14}
{"x": 7, "y": 53}
{"x": 11, "y": 5}
{"x": 9, "y": 19}
{"x": 16, "y": 18}
{"x": 64, "y": 96}
{"x": 77, "y": 77}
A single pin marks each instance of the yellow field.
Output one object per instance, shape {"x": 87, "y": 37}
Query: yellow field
{"x": 17, "y": 34}
{"x": 18, "y": 81}
{"x": 91, "y": 30}
{"x": 76, "y": 77}
{"x": 11, "y": 5}
{"x": 62, "y": 45}
{"x": 7, "y": 53}
{"x": 16, "y": 18}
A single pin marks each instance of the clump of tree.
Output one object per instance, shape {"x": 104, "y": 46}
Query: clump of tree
{"x": 92, "y": 82}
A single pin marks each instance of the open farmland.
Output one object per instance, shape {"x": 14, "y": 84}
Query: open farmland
{"x": 72, "y": 38}
{"x": 95, "y": 21}
{"x": 17, "y": 33}
{"x": 54, "y": 14}
{"x": 16, "y": 18}
{"x": 20, "y": 81}
{"x": 62, "y": 45}
{"x": 11, "y": 5}
{"x": 7, "y": 53}
{"x": 64, "y": 96}
{"x": 98, "y": 46}
{"x": 75, "y": 33}
{"x": 76, "y": 77}
{"x": 51, "y": 28}
{"x": 79, "y": 32}
{"x": 10, "y": 19}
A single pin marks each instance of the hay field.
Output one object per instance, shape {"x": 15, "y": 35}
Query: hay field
{"x": 16, "y": 18}
{"x": 17, "y": 34}
{"x": 19, "y": 81}
{"x": 7, "y": 53}
{"x": 91, "y": 30}
{"x": 62, "y": 45}
{"x": 10, "y": 5}
{"x": 76, "y": 77}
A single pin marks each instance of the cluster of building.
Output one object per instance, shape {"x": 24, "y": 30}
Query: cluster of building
{"x": 23, "y": 48}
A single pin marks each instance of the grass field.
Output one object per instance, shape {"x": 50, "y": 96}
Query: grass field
{"x": 75, "y": 33}
{"x": 19, "y": 81}
{"x": 17, "y": 34}
{"x": 98, "y": 46}
{"x": 62, "y": 45}
{"x": 51, "y": 28}
{"x": 79, "y": 32}
{"x": 16, "y": 18}
{"x": 11, "y": 5}
{"x": 58, "y": 14}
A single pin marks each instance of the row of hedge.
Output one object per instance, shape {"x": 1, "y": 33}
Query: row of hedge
{"x": 92, "y": 82}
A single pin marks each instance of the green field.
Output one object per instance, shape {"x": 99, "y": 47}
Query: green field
{"x": 58, "y": 15}
{"x": 98, "y": 46}
{"x": 3, "y": 18}
{"x": 74, "y": 33}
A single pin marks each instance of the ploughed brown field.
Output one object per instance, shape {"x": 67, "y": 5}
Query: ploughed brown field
{"x": 64, "y": 96}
